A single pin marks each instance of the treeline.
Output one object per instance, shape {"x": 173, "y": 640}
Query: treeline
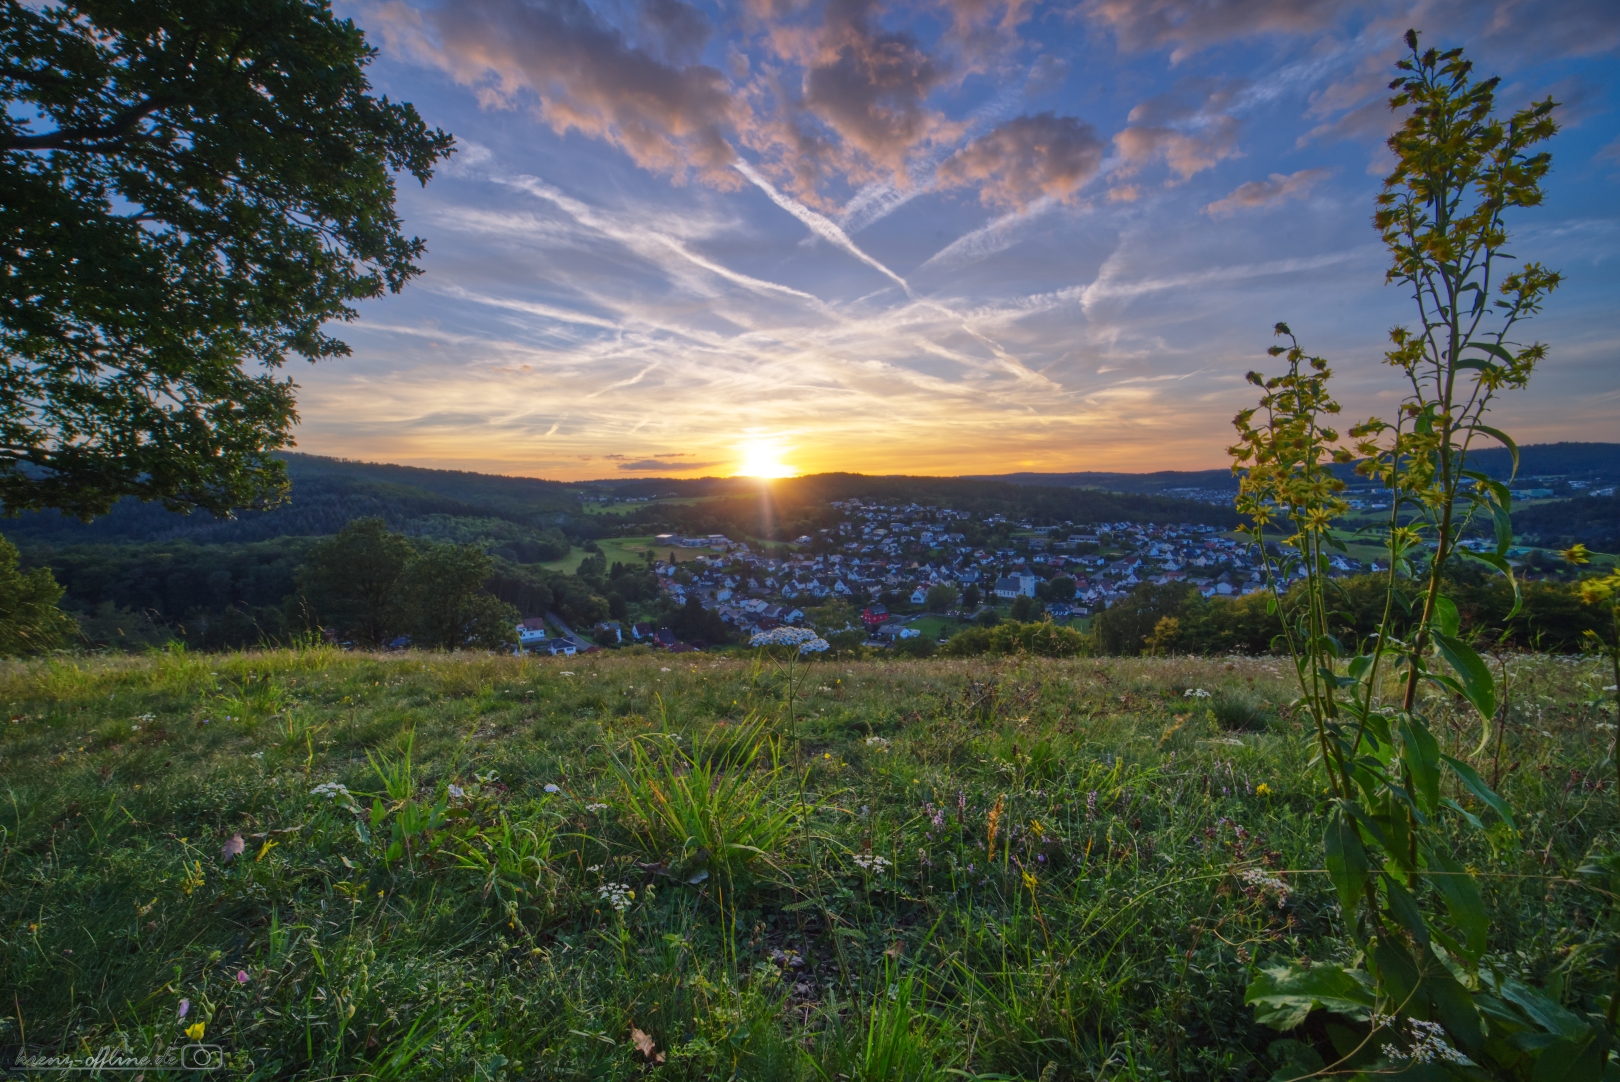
{"x": 1174, "y": 619}
{"x": 521, "y": 519}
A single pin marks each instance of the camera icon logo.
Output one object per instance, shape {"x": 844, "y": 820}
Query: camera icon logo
{"x": 201, "y": 1057}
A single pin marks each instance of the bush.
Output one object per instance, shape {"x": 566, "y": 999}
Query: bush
{"x": 1043, "y": 639}
{"x": 30, "y": 622}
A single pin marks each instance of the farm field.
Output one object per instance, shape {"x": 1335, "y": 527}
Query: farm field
{"x": 629, "y": 550}
{"x": 648, "y": 866}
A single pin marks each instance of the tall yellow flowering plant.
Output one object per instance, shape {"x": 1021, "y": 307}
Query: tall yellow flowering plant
{"x": 1417, "y": 996}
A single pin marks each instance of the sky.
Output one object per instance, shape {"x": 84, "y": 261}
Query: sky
{"x": 932, "y": 237}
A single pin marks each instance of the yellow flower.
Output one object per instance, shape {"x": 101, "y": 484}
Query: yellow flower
{"x": 1029, "y": 881}
{"x": 195, "y": 1030}
{"x": 1262, "y": 789}
{"x": 1577, "y": 554}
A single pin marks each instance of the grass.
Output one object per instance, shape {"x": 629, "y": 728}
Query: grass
{"x": 628, "y": 866}
{"x": 628, "y": 550}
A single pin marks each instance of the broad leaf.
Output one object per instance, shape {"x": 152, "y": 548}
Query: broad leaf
{"x": 1446, "y": 619}
{"x": 1421, "y": 754}
{"x": 1346, "y": 860}
{"x": 1463, "y": 900}
{"x": 1478, "y": 687}
{"x": 1476, "y": 785}
{"x": 1283, "y": 995}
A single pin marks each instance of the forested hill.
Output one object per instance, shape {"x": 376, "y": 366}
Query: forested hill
{"x": 1566, "y": 461}
{"x": 327, "y": 493}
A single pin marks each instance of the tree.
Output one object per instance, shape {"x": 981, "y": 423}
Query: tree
{"x": 970, "y": 596}
{"x": 30, "y": 622}
{"x": 1061, "y": 588}
{"x": 446, "y": 605}
{"x": 941, "y": 598}
{"x": 191, "y": 188}
{"x": 352, "y": 581}
{"x": 1024, "y": 608}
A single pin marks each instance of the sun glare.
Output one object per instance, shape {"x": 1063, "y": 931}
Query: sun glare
{"x": 762, "y": 459}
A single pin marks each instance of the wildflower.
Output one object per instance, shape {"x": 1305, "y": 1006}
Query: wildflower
{"x": 552, "y": 787}
{"x": 456, "y": 792}
{"x": 332, "y": 790}
{"x": 1196, "y": 693}
{"x": 241, "y": 976}
{"x": 185, "y": 1005}
{"x": 232, "y": 848}
{"x": 871, "y": 862}
{"x": 876, "y": 742}
{"x": 1428, "y": 1044}
{"x": 195, "y": 1031}
{"x": 806, "y": 640}
{"x": 617, "y": 895}
{"x": 1259, "y": 880}
{"x": 595, "y": 807}
{"x": 1262, "y": 789}
{"x": 664, "y": 669}
{"x": 1577, "y": 553}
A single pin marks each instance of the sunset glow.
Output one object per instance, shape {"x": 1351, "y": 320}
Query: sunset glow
{"x": 1056, "y": 242}
{"x": 763, "y": 459}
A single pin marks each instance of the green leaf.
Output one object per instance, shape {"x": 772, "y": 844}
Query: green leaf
{"x": 1284, "y": 994}
{"x": 1499, "y": 352}
{"x": 1478, "y": 687}
{"x": 1404, "y": 909}
{"x": 1462, "y": 899}
{"x": 1446, "y": 619}
{"x": 1567, "y": 1060}
{"x": 1504, "y": 439}
{"x": 1421, "y": 754}
{"x": 1346, "y": 860}
{"x": 1476, "y": 785}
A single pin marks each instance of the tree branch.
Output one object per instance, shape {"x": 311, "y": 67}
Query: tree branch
{"x": 122, "y": 125}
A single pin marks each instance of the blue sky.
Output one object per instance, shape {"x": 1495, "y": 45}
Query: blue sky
{"x": 939, "y": 237}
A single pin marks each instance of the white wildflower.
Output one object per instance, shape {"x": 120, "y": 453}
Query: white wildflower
{"x": 1259, "y": 880}
{"x": 595, "y": 807}
{"x": 871, "y": 862}
{"x": 876, "y": 742}
{"x": 806, "y": 640}
{"x": 456, "y": 792}
{"x": 618, "y": 895}
{"x": 1196, "y": 693}
{"x": 1428, "y": 1045}
{"x": 332, "y": 790}
{"x": 553, "y": 787}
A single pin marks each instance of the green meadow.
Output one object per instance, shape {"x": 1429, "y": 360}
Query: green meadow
{"x": 339, "y": 865}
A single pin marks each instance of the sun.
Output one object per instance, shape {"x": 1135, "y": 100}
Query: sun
{"x": 763, "y": 458}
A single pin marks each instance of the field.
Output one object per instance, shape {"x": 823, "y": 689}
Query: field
{"x": 629, "y": 550}
{"x": 648, "y": 866}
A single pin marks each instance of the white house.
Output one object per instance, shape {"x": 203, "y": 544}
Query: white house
{"x": 919, "y": 596}
{"x": 531, "y": 633}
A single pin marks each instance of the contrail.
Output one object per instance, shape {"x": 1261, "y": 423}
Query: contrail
{"x": 819, "y": 224}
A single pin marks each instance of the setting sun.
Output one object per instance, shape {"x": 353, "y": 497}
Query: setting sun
{"x": 763, "y": 459}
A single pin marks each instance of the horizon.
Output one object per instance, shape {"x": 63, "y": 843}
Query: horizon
{"x": 687, "y": 238}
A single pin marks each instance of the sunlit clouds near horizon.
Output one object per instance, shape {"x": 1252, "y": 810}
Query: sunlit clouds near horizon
{"x": 959, "y": 237}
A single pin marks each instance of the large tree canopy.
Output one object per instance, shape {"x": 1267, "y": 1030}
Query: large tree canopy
{"x": 189, "y": 189}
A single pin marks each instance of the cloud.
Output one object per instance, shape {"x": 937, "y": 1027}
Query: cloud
{"x": 869, "y": 85}
{"x": 649, "y": 465}
{"x": 1027, "y": 159}
{"x": 1265, "y": 193}
{"x": 1188, "y": 128}
{"x": 584, "y": 74}
{"x": 1190, "y": 25}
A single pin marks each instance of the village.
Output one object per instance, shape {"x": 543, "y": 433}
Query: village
{"x": 893, "y": 572}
